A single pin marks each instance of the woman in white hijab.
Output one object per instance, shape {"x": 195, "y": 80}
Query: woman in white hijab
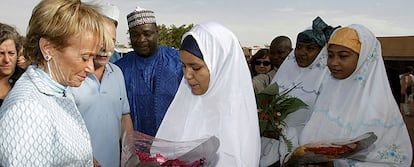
{"x": 301, "y": 73}
{"x": 356, "y": 98}
{"x": 216, "y": 97}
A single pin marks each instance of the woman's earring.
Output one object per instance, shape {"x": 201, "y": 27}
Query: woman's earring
{"x": 47, "y": 57}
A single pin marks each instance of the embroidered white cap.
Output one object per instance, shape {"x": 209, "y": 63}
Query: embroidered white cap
{"x": 140, "y": 16}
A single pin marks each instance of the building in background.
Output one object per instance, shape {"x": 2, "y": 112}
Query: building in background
{"x": 397, "y": 51}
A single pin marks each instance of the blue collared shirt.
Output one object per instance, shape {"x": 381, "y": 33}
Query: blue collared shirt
{"x": 102, "y": 105}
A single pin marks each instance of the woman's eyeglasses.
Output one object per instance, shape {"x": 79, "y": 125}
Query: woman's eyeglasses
{"x": 265, "y": 63}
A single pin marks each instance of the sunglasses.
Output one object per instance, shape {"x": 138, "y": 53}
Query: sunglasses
{"x": 265, "y": 63}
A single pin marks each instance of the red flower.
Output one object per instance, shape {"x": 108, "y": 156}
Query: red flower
{"x": 263, "y": 116}
{"x": 164, "y": 162}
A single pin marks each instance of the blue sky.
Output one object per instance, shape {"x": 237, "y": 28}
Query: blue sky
{"x": 253, "y": 22}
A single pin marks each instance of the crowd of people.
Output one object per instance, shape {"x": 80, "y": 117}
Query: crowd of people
{"x": 67, "y": 97}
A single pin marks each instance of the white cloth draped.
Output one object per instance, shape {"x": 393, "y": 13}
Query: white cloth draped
{"x": 361, "y": 103}
{"x": 227, "y": 110}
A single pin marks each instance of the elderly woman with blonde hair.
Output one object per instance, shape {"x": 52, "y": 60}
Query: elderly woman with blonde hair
{"x": 39, "y": 122}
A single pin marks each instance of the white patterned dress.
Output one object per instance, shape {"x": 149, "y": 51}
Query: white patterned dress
{"x": 41, "y": 126}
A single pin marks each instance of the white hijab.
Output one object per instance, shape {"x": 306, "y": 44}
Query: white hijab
{"x": 361, "y": 103}
{"x": 307, "y": 81}
{"x": 227, "y": 110}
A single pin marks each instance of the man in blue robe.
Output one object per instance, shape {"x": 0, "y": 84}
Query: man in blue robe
{"x": 152, "y": 73}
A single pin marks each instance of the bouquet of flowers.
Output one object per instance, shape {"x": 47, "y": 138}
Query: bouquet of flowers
{"x": 139, "y": 149}
{"x": 273, "y": 108}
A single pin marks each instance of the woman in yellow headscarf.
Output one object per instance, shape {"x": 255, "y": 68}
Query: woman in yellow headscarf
{"x": 356, "y": 98}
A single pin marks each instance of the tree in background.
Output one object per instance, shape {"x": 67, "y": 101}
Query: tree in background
{"x": 171, "y": 36}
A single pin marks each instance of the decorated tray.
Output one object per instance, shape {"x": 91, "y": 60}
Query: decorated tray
{"x": 328, "y": 151}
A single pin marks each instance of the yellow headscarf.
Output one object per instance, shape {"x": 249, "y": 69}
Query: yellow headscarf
{"x": 347, "y": 37}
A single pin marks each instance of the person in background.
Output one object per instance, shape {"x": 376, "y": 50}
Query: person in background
{"x": 280, "y": 47}
{"x": 406, "y": 82}
{"x": 10, "y": 44}
{"x": 112, "y": 13}
{"x": 356, "y": 98}
{"x": 301, "y": 74}
{"x": 211, "y": 100}
{"x": 40, "y": 124}
{"x": 262, "y": 70}
{"x": 260, "y": 62}
{"x": 152, "y": 73}
{"x": 103, "y": 103}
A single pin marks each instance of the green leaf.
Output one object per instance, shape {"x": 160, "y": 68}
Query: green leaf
{"x": 270, "y": 90}
{"x": 290, "y": 105}
{"x": 288, "y": 143}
